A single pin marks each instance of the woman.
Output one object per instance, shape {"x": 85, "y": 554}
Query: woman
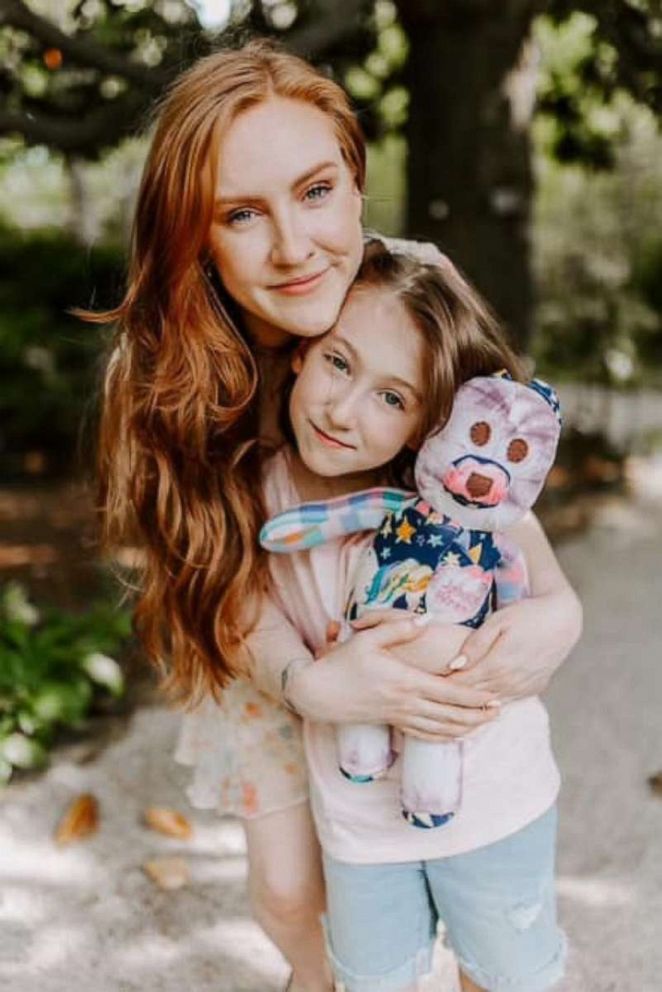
{"x": 248, "y": 235}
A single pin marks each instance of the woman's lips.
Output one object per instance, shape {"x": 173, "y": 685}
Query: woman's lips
{"x": 299, "y": 287}
{"x": 331, "y": 442}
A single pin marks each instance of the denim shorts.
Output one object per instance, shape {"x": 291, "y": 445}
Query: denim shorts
{"x": 497, "y": 903}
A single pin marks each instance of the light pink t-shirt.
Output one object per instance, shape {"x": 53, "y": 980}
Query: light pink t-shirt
{"x": 510, "y": 776}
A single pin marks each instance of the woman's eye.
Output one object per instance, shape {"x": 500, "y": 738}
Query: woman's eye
{"x": 392, "y": 399}
{"x": 241, "y": 216}
{"x": 337, "y": 362}
{"x": 319, "y": 191}
{"x": 480, "y": 433}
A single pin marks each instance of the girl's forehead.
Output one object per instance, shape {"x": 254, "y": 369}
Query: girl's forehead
{"x": 272, "y": 143}
{"x": 375, "y": 322}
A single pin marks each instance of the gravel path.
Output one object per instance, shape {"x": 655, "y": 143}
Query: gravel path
{"x": 87, "y": 916}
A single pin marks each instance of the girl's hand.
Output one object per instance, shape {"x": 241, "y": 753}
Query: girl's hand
{"x": 517, "y": 650}
{"x": 360, "y": 681}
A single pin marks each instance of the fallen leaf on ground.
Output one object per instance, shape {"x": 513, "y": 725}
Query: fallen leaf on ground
{"x": 168, "y": 873}
{"x": 80, "y": 820}
{"x": 655, "y": 783}
{"x": 168, "y": 821}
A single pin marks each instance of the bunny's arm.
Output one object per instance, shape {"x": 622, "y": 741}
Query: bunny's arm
{"x": 309, "y": 524}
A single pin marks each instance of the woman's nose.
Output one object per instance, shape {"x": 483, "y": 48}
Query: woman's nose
{"x": 291, "y": 242}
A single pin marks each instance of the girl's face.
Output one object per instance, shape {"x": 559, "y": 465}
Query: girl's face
{"x": 286, "y": 237}
{"x": 357, "y": 400}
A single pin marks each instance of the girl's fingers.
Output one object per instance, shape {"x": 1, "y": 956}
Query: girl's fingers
{"x": 387, "y": 635}
{"x": 373, "y": 618}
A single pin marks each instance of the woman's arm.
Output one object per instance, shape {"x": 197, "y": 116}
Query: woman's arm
{"x": 361, "y": 681}
{"x": 518, "y": 648}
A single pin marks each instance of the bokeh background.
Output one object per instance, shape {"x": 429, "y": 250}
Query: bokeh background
{"x": 522, "y": 136}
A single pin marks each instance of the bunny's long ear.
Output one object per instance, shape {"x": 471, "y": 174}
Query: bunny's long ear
{"x": 310, "y": 524}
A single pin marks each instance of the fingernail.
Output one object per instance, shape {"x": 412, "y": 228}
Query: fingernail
{"x": 458, "y": 662}
{"x": 422, "y": 619}
{"x": 494, "y": 704}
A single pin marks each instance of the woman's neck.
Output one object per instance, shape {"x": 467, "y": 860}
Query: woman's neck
{"x": 266, "y": 336}
{"x": 310, "y": 486}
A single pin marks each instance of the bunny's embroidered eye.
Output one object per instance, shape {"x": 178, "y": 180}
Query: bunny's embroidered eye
{"x": 517, "y": 450}
{"x": 480, "y": 433}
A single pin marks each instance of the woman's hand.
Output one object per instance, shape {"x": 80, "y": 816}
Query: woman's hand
{"x": 517, "y": 650}
{"x": 361, "y": 681}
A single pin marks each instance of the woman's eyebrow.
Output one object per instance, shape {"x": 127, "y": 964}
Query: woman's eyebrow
{"x": 299, "y": 181}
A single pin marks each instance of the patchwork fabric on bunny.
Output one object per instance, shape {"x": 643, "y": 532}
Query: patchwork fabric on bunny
{"x": 435, "y": 552}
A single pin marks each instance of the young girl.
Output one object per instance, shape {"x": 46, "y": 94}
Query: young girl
{"x": 247, "y": 236}
{"x": 365, "y": 396}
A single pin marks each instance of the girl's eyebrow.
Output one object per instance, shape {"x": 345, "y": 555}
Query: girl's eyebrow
{"x": 301, "y": 180}
{"x": 391, "y": 378}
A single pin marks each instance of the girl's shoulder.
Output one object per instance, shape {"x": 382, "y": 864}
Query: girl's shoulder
{"x": 277, "y": 482}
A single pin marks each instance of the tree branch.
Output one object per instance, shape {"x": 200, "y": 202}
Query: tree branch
{"x": 82, "y": 51}
{"x": 334, "y": 21}
{"x": 83, "y": 136}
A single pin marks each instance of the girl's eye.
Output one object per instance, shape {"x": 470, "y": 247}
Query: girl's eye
{"x": 319, "y": 191}
{"x": 241, "y": 216}
{"x": 393, "y": 399}
{"x": 480, "y": 433}
{"x": 337, "y": 362}
{"x": 517, "y": 450}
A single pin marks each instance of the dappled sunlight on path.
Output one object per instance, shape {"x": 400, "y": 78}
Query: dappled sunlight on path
{"x": 606, "y": 713}
{"x": 87, "y": 915}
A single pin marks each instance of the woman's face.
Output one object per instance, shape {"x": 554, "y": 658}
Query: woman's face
{"x": 286, "y": 237}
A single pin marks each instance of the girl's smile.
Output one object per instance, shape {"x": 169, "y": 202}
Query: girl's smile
{"x": 332, "y": 442}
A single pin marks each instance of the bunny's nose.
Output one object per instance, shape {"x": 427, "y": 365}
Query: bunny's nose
{"x": 478, "y": 485}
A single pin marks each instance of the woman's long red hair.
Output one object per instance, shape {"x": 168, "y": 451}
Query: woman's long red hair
{"x": 178, "y": 462}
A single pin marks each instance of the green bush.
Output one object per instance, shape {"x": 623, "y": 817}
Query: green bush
{"x": 54, "y": 666}
{"x": 49, "y": 359}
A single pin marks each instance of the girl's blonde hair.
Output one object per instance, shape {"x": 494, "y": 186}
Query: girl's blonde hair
{"x": 178, "y": 466}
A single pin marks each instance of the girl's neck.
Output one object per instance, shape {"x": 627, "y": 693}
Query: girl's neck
{"x": 310, "y": 486}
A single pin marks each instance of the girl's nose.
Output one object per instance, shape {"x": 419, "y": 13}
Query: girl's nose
{"x": 342, "y": 408}
{"x": 291, "y": 242}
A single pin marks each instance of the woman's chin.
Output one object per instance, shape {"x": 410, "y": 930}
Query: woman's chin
{"x": 310, "y": 321}
{"x": 311, "y": 316}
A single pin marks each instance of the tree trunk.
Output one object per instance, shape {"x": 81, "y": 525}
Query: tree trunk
{"x": 83, "y": 223}
{"x": 471, "y": 82}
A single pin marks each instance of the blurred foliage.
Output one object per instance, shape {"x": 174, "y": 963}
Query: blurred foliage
{"x": 597, "y": 212}
{"x": 596, "y": 50}
{"x": 55, "y": 668}
{"x": 597, "y": 246}
{"x": 375, "y": 82}
{"x": 78, "y": 75}
{"x": 48, "y": 359}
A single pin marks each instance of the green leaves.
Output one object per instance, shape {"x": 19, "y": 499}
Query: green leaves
{"x": 53, "y": 666}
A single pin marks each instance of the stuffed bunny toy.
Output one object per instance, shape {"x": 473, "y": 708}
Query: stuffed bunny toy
{"x": 436, "y": 551}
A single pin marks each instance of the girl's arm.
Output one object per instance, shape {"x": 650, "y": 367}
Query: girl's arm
{"x": 518, "y": 648}
{"x": 361, "y": 681}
